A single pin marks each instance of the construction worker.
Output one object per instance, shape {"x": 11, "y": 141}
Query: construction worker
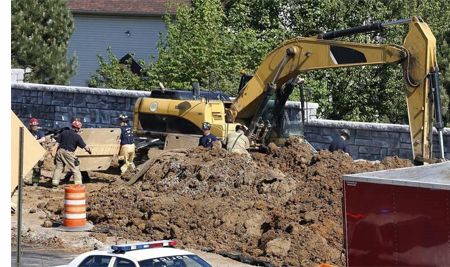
{"x": 67, "y": 143}
{"x": 340, "y": 143}
{"x": 33, "y": 177}
{"x": 237, "y": 142}
{"x": 127, "y": 147}
{"x": 208, "y": 138}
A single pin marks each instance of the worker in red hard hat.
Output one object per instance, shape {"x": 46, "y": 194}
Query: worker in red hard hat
{"x": 33, "y": 177}
{"x": 67, "y": 143}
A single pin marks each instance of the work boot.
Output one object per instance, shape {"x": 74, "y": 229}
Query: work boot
{"x": 85, "y": 178}
{"x": 67, "y": 177}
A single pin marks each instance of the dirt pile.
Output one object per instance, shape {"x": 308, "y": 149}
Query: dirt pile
{"x": 283, "y": 207}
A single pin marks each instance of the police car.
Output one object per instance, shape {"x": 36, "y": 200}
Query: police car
{"x": 147, "y": 254}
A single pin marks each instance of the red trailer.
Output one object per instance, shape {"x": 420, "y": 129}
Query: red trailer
{"x": 398, "y": 217}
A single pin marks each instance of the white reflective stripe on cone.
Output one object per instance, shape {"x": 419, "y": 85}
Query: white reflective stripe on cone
{"x": 75, "y": 215}
{"x": 75, "y": 202}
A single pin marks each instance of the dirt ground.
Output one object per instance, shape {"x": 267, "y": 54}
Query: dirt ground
{"x": 274, "y": 209}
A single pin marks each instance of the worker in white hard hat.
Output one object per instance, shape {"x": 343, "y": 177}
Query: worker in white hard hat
{"x": 238, "y": 142}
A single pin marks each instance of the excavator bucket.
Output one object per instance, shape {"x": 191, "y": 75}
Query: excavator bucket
{"x": 104, "y": 144}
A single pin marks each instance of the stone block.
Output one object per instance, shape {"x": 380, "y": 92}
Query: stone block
{"x": 392, "y": 152}
{"x": 364, "y": 150}
{"x": 405, "y": 146}
{"x": 365, "y": 156}
{"x": 34, "y": 93}
{"x": 93, "y": 99}
{"x": 27, "y": 100}
{"x": 16, "y": 107}
{"x": 94, "y": 115}
{"x": 312, "y": 129}
{"x": 58, "y": 95}
{"x": 363, "y": 134}
{"x": 16, "y": 96}
{"x": 363, "y": 142}
{"x": 328, "y": 131}
{"x": 61, "y": 109}
{"x": 121, "y": 100}
{"x": 111, "y": 99}
{"x": 311, "y": 137}
{"x": 354, "y": 151}
{"x": 68, "y": 95}
{"x": 324, "y": 139}
{"x": 83, "y": 111}
{"x": 380, "y": 143}
{"x": 406, "y": 154}
{"x": 47, "y": 98}
{"x": 47, "y": 109}
{"x": 105, "y": 117}
{"x": 58, "y": 102}
{"x": 64, "y": 118}
{"x": 380, "y": 134}
{"x": 405, "y": 138}
{"x": 375, "y": 151}
{"x": 383, "y": 153}
{"x": 79, "y": 100}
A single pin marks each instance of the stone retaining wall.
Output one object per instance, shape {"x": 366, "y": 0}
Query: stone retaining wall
{"x": 55, "y": 105}
{"x": 100, "y": 108}
{"x": 371, "y": 141}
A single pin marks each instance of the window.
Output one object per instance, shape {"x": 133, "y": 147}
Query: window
{"x": 121, "y": 262}
{"x": 175, "y": 261}
{"x": 96, "y": 261}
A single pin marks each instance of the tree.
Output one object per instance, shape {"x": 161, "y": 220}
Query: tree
{"x": 200, "y": 48}
{"x": 112, "y": 74}
{"x": 40, "y": 32}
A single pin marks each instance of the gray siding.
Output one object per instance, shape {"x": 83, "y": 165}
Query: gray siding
{"x": 93, "y": 34}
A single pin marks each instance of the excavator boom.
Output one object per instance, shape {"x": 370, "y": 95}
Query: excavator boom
{"x": 287, "y": 61}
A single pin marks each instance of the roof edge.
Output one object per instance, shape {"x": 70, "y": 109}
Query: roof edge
{"x": 119, "y": 13}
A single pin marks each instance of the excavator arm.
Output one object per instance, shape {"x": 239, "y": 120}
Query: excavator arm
{"x": 288, "y": 60}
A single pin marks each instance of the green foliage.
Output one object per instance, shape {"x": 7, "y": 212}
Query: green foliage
{"x": 40, "y": 32}
{"x": 213, "y": 39}
{"x": 112, "y": 74}
{"x": 199, "y": 47}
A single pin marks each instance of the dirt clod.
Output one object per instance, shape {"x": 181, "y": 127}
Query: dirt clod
{"x": 283, "y": 207}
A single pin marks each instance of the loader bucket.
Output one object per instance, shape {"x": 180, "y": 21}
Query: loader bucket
{"x": 104, "y": 144}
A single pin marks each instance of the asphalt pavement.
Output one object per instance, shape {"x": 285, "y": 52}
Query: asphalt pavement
{"x": 40, "y": 257}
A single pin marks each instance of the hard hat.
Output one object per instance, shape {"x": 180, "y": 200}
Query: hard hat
{"x": 345, "y": 132}
{"x": 77, "y": 124}
{"x": 34, "y": 121}
{"x": 206, "y": 126}
{"x": 74, "y": 118}
{"x": 123, "y": 117}
{"x": 241, "y": 127}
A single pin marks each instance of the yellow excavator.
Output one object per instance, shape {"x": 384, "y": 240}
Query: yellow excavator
{"x": 176, "y": 116}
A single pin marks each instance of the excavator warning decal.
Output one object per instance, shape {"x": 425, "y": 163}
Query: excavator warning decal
{"x": 345, "y": 55}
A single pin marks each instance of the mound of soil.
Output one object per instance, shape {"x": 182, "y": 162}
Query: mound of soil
{"x": 283, "y": 207}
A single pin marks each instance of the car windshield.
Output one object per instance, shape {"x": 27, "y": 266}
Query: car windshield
{"x": 175, "y": 261}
